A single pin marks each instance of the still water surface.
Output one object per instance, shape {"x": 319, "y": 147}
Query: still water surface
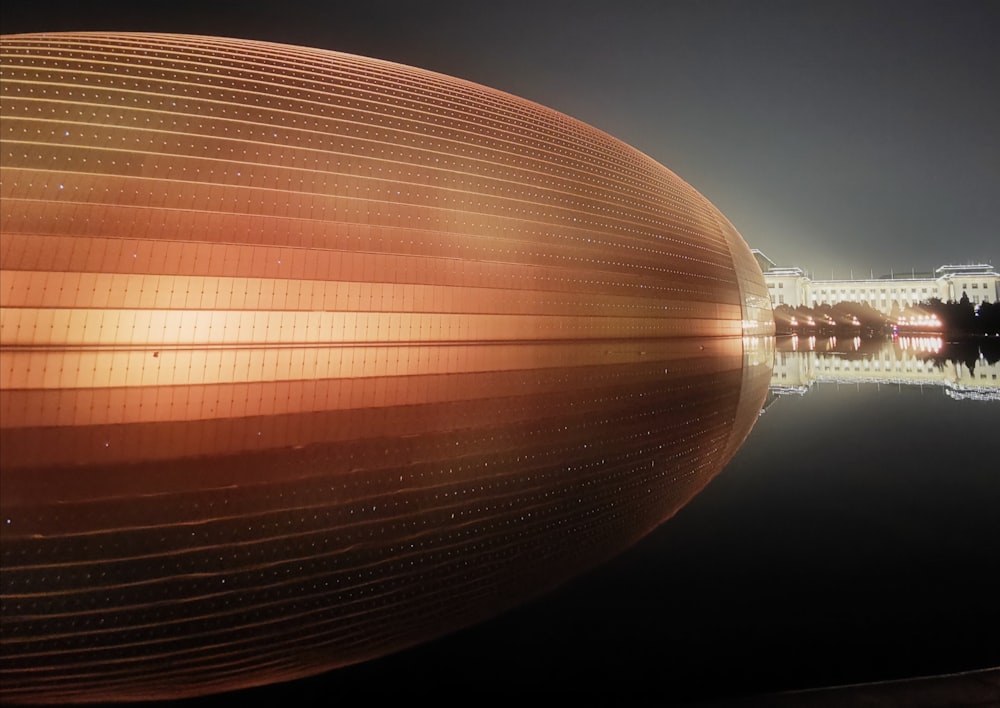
{"x": 854, "y": 537}
{"x": 150, "y": 559}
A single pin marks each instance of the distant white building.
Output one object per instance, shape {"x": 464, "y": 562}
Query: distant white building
{"x": 791, "y": 286}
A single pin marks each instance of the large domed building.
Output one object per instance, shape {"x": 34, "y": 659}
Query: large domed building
{"x": 234, "y": 265}
{"x": 167, "y": 192}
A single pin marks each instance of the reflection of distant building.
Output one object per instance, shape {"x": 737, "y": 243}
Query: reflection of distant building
{"x": 793, "y": 287}
{"x": 912, "y": 364}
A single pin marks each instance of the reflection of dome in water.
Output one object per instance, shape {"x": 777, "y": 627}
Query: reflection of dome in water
{"x": 309, "y": 357}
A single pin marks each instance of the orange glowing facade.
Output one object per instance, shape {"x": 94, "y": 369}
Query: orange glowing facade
{"x": 182, "y": 211}
{"x": 218, "y": 257}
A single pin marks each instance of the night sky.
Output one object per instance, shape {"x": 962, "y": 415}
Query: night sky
{"x": 834, "y": 135}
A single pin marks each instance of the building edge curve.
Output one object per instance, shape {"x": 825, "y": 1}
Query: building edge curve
{"x": 255, "y": 297}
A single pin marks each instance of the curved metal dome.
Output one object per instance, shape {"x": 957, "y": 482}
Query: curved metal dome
{"x": 308, "y": 357}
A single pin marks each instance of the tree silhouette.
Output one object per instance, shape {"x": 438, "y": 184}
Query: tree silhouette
{"x": 988, "y": 320}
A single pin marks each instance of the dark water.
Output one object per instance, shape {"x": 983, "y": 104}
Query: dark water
{"x": 153, "y": 560}
{"x": 854, "y": 537}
